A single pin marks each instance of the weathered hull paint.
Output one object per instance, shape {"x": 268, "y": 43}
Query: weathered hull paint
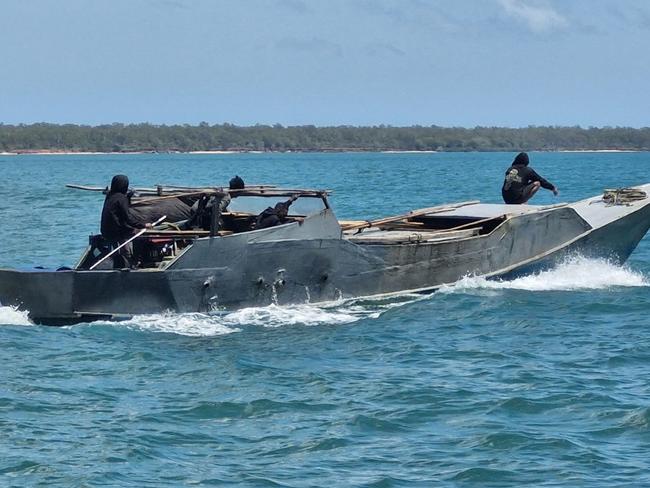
{"x": 312, "y": 261}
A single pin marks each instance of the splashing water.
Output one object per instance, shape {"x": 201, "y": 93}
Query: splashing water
{"x": 338, "y": 312}
{"x": 188, "y": 324}
{"x": 574, "y": 274}
{"x": 271, "y": 316}
{"x": 196, "y": 324}
{"x": 277, "y": 316}
{"x": 13, "y": 316}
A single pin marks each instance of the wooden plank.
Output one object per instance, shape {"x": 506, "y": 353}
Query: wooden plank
{"x": 415, "y": 225}
{"x": 151, "y": 233}
{"x": 403, "y": 225}
{"x": 251, "y": 190}
{"x": 103, "y": 189}
{"x": 406, "y": 237}
{"x": 471, "y": 224}
{"x": 136, "y": 201}
{"x": 185, "y": 233}
{"x": 409, "y": 215}
{"x": 343, "y": 223}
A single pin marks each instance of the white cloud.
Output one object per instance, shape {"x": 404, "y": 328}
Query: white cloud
{"x": 539, "y": 17}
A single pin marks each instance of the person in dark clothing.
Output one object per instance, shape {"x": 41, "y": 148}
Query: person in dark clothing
{"x": 117, "y": 223}
{"x": 236, "y": 183}
{"x": 522, "y": 182}
{"x": 273, "y": 216}
{"x": 216, "y": 204}
{"x": 202, "y": 209}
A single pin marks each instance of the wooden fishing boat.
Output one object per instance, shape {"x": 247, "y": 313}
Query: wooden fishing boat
{"x": 314, "y": 257}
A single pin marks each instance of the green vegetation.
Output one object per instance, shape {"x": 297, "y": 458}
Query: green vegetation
{"x": 228, "y": 137}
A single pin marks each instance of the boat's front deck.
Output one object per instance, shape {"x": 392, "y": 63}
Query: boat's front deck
{"x": 382, "y": 236}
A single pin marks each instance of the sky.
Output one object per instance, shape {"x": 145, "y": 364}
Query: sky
{"x": 508, "y": 63}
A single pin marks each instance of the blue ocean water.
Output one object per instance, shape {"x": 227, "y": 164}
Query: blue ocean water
{"x": 539, "y": 381}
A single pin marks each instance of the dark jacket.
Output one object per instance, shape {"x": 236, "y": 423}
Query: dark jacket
{"x": 518, "y": 177}
{"x": 273, "y": 216}
{"x": 117, "y": 223}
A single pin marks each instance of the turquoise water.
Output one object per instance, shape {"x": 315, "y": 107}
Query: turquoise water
{"x": 539, "y": 381}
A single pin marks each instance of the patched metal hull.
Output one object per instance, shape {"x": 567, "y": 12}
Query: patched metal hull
{"x": 313, "y": 261}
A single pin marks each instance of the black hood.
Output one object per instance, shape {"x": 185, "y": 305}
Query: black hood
{"x": 120, "y": 184}
{"x": 521, "y": 159}
{"x": 236, "y": 183}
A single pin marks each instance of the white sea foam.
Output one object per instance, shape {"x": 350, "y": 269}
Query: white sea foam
{"x": 574, "y": 274}
{"x": 188, "y": 324}
{"x": 196, "y": 324}
{"x": 13, "y": 316}
{"x": 272, "y": 316}
{"x": 277, "y": 316}
{"x": 577, "y": 273}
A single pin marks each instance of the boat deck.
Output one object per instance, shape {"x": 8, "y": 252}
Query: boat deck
{"x": 381, "y": 236}
{"x": 493, "y": 210}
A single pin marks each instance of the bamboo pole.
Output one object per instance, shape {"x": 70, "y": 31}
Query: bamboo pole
{"x": 104, "y": 189}
{"x": 470, "y": 224}
{"x": 257, "y": 190}
{"x": 409, "y": 215}
{"x": 138, "y": 234}
{"x": 182, "y": 233}
{"x": 176, "y": 195}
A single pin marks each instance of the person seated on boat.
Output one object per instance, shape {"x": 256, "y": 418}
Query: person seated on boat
{"x": 522, "y": 182}
{"x": 276, "y": 215}
{"x": 117, "y": 224}
{"x": 221, "y": 202}
{"x": 201, "y": 210}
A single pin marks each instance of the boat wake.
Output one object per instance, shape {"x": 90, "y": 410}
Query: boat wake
{"x": 187, "y": 324}
{"x": 575, "y": 274}
{"x": 216, "y": 323}
{"x": 13, "y": 316}
{"x": 221, "y": 322}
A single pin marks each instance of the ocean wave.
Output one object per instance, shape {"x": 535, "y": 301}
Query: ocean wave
{"x": 574, "y": 274}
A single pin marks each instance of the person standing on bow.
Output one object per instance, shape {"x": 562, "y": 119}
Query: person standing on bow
{"x": 117, "y": 224}
{"x": 522, "y": 182}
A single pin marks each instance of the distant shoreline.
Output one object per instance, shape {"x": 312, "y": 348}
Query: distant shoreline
{"x": 91, "y": 153}
{"x": 45, "y": 138}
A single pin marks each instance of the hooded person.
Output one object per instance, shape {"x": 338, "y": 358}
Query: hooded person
{"x": 273, "y": 216}
{"x": 522, "y": 182}
{"x": 117, "y": 223}
{"x": 236, "y": 183}
{"x": 202, "y": 210}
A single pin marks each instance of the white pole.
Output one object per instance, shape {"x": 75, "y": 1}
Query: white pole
{"x": 138, "y": 234}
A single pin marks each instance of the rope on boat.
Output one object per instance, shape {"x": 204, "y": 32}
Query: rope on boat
{"x": 623, "y": 196}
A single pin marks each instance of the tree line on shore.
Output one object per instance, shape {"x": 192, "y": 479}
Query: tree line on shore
{"x": 228, "y": 137}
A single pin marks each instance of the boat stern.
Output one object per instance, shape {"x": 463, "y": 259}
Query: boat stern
{"x": 42, "y": 293}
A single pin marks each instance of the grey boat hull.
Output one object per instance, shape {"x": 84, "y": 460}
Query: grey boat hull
{"x": 313, "y": 261}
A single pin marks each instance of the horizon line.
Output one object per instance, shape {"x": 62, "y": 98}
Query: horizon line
{"x": 278, "y": 125}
